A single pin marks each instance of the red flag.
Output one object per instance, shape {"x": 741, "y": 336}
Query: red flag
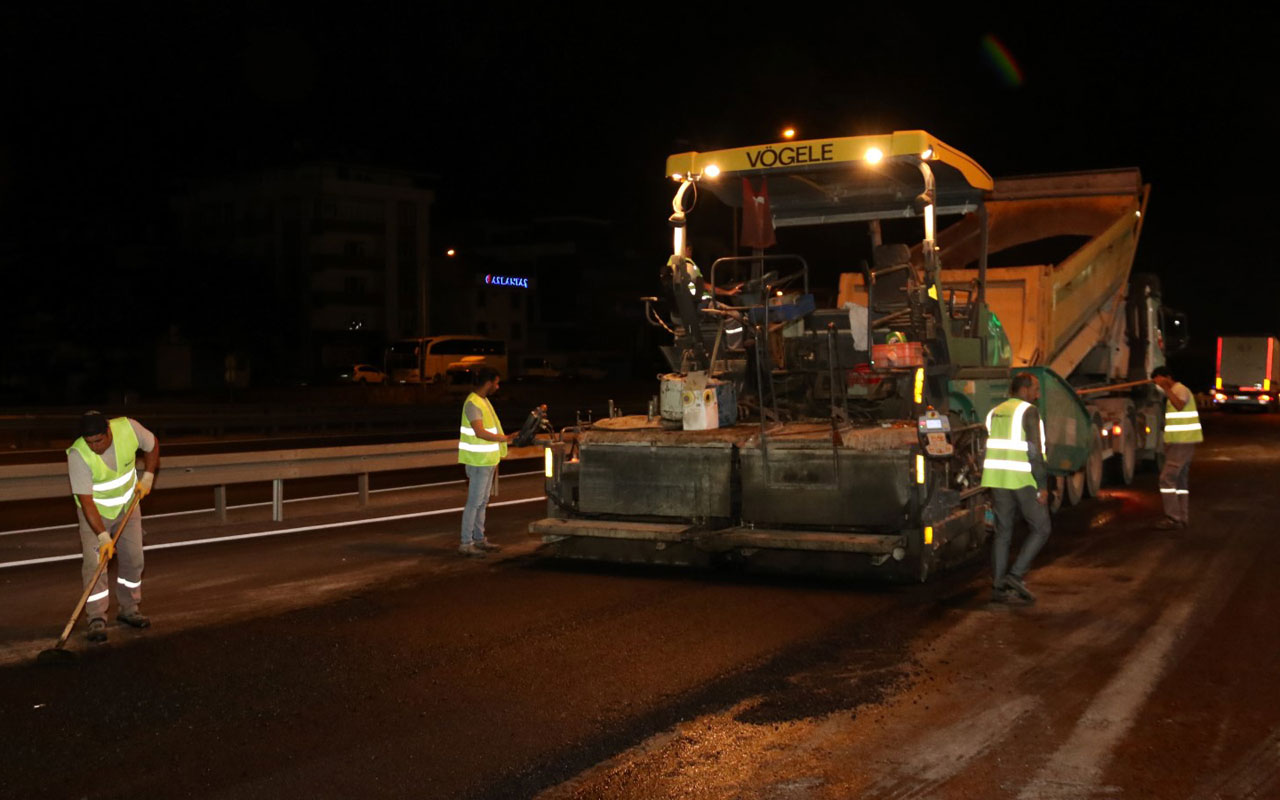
{"x": 757, "y": 218}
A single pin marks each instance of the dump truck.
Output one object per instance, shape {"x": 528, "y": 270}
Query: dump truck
{"x": 1098, "y": 329}
{"x": 849, "y": 438}
{"x": 1246, "y": 365}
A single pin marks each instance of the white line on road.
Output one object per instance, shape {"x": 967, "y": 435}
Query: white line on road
{"x": 1077, "y": 767}
{"x": 281, "y": 532}
{"x": 268, "y": 502}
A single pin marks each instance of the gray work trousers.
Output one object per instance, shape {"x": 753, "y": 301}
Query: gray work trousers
{"x": 1174, "y": 493}
{"x": 479, "y": 487}
{"x": 1010, "y": 502}
{"x": 128, "y": 565}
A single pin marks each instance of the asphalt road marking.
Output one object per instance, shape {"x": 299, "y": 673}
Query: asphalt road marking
{"x": 1077, "y": 766}
{"x": 268, "y": 502}
{"x": 261, "y": 534}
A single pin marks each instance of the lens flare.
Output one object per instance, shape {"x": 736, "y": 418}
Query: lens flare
{"x": 1001, "y": 60}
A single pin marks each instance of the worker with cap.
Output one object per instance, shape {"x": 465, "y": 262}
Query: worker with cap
{"x": 1181, "y": 435}
{"x": 104, "y": 481}
{"x": 1015, "y": 472}
{"x": 481, "y": 445}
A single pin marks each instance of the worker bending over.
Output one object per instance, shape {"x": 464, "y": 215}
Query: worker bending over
{"x": 1181, "y": 435}
{"x": 1015, "y": 472}
{"x": 104, "y": 479}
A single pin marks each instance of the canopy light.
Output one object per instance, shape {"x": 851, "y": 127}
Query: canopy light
{"x": 711, "y": 171}
{"x": 927, "y": 154}
{"x": 676, "y": 176}
{"x": 450, "y": 252}
{"x": 874, "y": 155}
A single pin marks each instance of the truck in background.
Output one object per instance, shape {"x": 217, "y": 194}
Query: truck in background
{"x": 1246, "y": 366}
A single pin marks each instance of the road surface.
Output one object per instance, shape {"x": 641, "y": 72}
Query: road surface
{"x": 369, "y": 660}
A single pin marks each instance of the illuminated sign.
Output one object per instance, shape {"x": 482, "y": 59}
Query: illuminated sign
{"x": 506, "y": 280}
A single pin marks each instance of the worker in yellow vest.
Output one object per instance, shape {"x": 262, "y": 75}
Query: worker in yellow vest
{"x": 1015, "y": 471}
{"x": 481, "y": 445}
{"x": 101, "y": 465}
{"x": 1181, "y": 435}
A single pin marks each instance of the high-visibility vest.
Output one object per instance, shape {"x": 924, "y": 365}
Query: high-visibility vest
{"x": 1007, "y": 465}
{"x": 1182, "y": 427}
{"x": 471, "y": 448}
{"x": 112, "y": 488}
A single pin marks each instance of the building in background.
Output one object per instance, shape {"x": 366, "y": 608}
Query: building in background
{"x": 554, "y": 288}
{"x": 308, "y": 268}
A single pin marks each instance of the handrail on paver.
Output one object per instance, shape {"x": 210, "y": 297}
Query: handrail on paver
{"x": 36, "y": 481}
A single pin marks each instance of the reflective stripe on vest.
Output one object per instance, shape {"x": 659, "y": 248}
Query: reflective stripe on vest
{"x": 1007, "y": 465}
{"x": 112, "y": 488}
{"x": 1182, "y": 427}
{"x": 471, "y": 448}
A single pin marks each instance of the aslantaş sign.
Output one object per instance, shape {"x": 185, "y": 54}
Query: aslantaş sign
{"x": 506, "y": 280}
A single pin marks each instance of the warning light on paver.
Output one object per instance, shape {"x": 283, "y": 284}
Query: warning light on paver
{"x": 919, "y": 468}
{"x": 919, "y": 389}
{"x": 873, "y": 155}
{"x": 789, "y": 133}
{"x": 928, "y": 534}
{"x": 549, "y": 463}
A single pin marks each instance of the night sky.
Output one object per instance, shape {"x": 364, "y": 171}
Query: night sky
{"x": 108, "y": 113}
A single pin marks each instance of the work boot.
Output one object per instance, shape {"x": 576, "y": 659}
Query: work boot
{"x": 486, "y": 545}
{"x": 97, "y": 630}
{"x": 1015, "y": 584}
{"x": 134, "y": 619}
{"x": 1002, "y": 596}
{"x": 471, "y": 551}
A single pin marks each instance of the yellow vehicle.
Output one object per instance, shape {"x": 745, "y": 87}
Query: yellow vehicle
{"x": 850, "y": 438}
{"x": 427, "y": 359}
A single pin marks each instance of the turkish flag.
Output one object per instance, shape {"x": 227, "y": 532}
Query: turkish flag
{"x": 757, "y": 218}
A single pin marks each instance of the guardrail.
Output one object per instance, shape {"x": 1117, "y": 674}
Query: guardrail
{"x": 36, "y": 481}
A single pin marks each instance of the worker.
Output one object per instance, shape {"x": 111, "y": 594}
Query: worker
{"x": 481, "y": 445}
{"x": 104, "y": 481}
{"x": 1181, "y": 435}
{"x": 1015, "y": 472}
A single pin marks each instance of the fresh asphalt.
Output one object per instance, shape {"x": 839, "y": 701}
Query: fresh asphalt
{"x": 367, "y": 659}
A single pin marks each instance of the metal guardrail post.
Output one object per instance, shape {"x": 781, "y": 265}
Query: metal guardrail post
{"x": 363, "y": 482}
{"x": 277, "y": 499}
{"x": 220, "y": 502}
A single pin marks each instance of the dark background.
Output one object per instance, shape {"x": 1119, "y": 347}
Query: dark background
{"x": 107, "y": 113}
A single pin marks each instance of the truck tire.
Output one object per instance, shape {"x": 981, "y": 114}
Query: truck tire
{"x": 1122, "y": 465}
{"x": 1093, "y": 466}
{"x": 1057, "y": 491}
{"x": 1075, "y": 487}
